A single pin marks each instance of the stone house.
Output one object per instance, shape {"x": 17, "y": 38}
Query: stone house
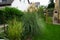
{"x": 56, "y": 14}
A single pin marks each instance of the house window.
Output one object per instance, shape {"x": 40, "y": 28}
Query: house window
{"x": 4, "y": 0}
{"x": 0, "y": 0}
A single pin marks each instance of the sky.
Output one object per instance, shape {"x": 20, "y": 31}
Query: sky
{"x": 23, "y": 5}
{"x": 42, "y": 2}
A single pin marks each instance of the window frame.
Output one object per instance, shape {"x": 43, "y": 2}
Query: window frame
{"x": 0, "y": 1}
{"x": 4, "y": 0}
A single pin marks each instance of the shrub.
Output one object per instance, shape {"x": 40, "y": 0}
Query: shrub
{"x": 10, "y": 13}
{"x": 1, "y": 16}
{"x": 41, "y": 12}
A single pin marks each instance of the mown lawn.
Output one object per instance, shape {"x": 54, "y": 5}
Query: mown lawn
{"x": 52, "y": 32}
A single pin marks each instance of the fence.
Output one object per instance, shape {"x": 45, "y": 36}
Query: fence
{"x": 49, "y": 15}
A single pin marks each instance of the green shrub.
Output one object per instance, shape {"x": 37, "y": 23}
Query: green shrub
{"x": 41, "y": 12}
{"x": 10, "y": 13}
{"x": 49, "y": 20}
{"x": 1, "y": 16}
{"x": 1, "y": 35}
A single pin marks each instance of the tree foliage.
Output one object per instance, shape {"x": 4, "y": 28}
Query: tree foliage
{"x": 51, "y": 4}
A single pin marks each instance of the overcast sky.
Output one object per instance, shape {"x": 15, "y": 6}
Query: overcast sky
{"x": 42, "y": 2}
{"x": 22, "y": 6}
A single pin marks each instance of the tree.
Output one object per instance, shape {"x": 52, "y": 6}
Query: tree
{"x": 28, "y": 1}
{"x": 51, "y": 1}
{"x": 51, "y": 4}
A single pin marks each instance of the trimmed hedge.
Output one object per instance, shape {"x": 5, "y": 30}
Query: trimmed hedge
{"x": 9, "y": 13}
{"x": 1, "y": 16}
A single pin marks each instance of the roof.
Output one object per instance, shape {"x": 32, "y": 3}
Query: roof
{"x": 37, "y": 4}
{"x": 5, "y": 2}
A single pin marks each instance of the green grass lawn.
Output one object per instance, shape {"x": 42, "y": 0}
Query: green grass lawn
{"x": 52, "y": 32}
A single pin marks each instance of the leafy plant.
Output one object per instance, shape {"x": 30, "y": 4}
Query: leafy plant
{"x": 10, "y": 13}
{"x": 41, "y": 12}
{"x": 1, "y": 35}
{"x": 1, "y": 16}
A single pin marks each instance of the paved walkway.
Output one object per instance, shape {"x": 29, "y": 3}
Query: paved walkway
{"x": 1, "y": 39}
{"x": 2, "y": 26}
{"x": 56, "y": 23}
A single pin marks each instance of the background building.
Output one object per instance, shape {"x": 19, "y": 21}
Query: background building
{"x": 4, "y": 3}
{"x": 56, "y": 15}
{"x": 37, "y": 4}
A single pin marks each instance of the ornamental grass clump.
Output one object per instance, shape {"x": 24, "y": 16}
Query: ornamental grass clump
{"x": 14, "y": 30}
{"x": 31, "y": 27}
